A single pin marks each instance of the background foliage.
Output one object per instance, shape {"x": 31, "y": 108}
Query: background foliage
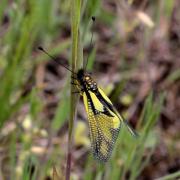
{"x": 134, "y": 58}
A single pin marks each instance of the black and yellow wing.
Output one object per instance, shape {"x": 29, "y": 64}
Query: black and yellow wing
{"x": 104, "y": 123}
{"x": 104, "y": 126}
{"x": 105, "y": 100}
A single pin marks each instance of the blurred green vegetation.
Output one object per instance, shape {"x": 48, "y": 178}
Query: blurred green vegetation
{"x": 32, "y": 141}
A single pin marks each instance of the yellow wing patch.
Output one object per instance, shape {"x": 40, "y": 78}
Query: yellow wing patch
{"x": 117, "y": 117}
{"x": 116, "y": 121}
{"x": 97, "y": 104}
{"x": 104, "y": 96}
{"x": 85, "y": 101}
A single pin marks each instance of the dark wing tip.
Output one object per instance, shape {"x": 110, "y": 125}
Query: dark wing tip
{"x": 100, "y": 158}
{"x": 135, "y": 134}
{"x": 93, "y": 18}
{"x": 131, "y": 130}
{"x": 40, "y": 48}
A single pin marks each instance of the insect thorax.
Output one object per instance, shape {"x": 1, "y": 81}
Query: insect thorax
{"x": 86, "y": 81}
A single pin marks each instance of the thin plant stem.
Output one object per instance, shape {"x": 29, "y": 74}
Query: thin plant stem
{"x": 75, "y": 21}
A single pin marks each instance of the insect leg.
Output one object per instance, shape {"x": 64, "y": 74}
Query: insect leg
{"x": 73, "y": 77}
{"x": 75, "y": 92}
{"x": 74, "y": 83}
